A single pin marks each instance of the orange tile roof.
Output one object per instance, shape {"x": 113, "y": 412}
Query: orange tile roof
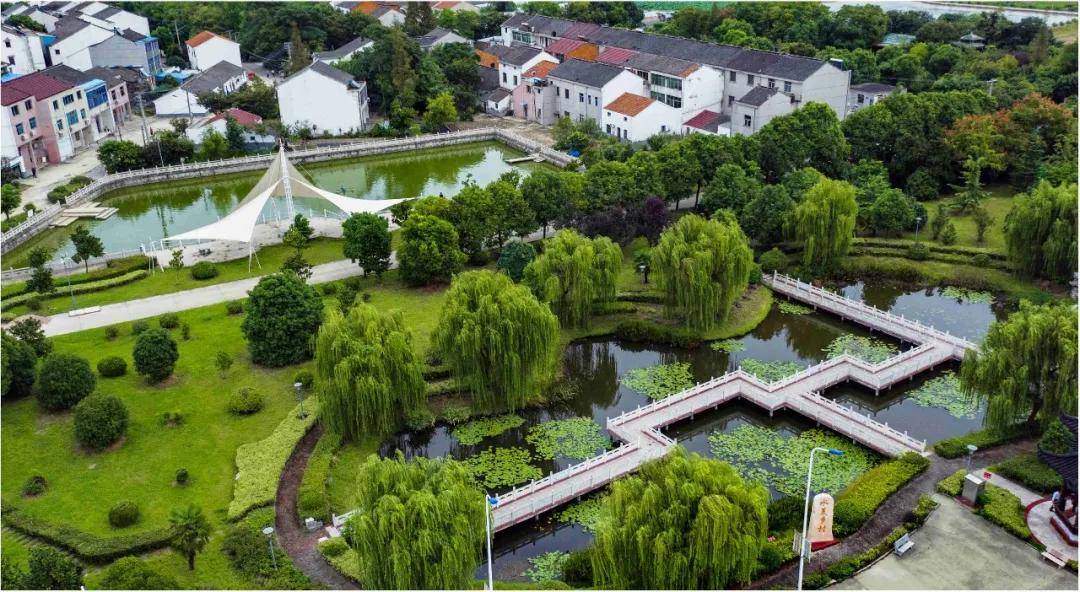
{"x": 203, "y": 38}
{"x": 629, "y": 104}
{"x": 541, "y": 69}
{"x": 366, "y": 7}
{"x": 445, "y": 5}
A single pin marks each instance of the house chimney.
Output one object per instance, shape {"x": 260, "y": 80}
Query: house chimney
{"x": 839, "y": 63}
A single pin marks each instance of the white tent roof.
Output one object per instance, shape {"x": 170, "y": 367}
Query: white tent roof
{"x": 280, "y": 180}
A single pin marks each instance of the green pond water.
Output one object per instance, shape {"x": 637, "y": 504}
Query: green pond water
{"x": 156, "y": 211}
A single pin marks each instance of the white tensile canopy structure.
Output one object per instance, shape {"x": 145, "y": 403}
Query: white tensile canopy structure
{"x": 280, "y": 180}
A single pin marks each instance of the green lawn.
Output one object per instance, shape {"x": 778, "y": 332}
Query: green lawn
{"x": 998, "y": 204}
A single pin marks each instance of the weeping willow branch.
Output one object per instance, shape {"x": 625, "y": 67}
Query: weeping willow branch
{"x": 825, "y": 223}
{"x": 574, "y": 274}
{"x": 496, "y": 337}
{"x": 702, "y": 266}
{"x": 367, "y": 371}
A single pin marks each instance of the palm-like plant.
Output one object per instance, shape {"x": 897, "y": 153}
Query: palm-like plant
{"x": 191, "y": 532}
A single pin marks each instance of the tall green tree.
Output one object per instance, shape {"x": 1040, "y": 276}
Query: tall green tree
{"x": 497, "y": 338}
{"x": 299, "y": 56}
{"x": 440, "y": 111}
{"x": 120, "y": 155}
{"x": 811, "y": 136}
{"x": 215, "y": 145}
{"x": 367, "y": 242}
{"x": 683, "y": 522}
{"x": 764, "y": 217}
{"x": 86, "y": 246}
{"x": 702, "y": 266}
{"x": 1040, "y": 232}
{"x": 1026, "y": 366}
{"x": 10, "y": 198}
{"x": 190, "y": 532}
{"x": 420, "y": 524}
{"x": 419, "y": 19}
{"x": 282, "y": 315}
{"x": 368, "y": 372}
{"x": 825, "y": 223}
{"x": 548, "y": 194}
{"x": 429, "y": 250}
{"x": 18, "y": 372}
{"x": 731, "y": 188}
{"x": 574, "y": 275}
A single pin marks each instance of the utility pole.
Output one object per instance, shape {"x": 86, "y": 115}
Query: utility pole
{"x": 142, "y": 109}
{"x": 990, "y": 84}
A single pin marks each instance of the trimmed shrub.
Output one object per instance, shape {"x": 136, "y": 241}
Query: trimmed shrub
{"x": 204, "y": 270}
{"x": 328, "y": 289}
{"x": 235, "y": 307}
{"x": 185, "y": 331}
{"x": 981, "y": 260}
{"x": 182, "y": 476}
{"x": 420, "y": 418}
{"x": 785, "y": 513}
{"x": 19, "y": 366}
{"x": 33, "y": 303}
{"x": 773, "y": 260}
{"x": 816, "y": 580}
{"x": 284, "y": 313}
{"x": 312, "y": 500}
{"x": 111, "y": 333}
{"x": 100, "y": 420}
{"x": 923, "y": 508}
{"x": 169, "y": 320}
{"x": 640, "y": 330}
{"x": 1004, "y": 509}
{"x": 34, "y": 486}
{"x": 88, "y": 547}
{"x": 953, "y": 484}
{"x": 957, "y": 447}
{"x": 138, "y": 327}
{"x": 918, "y": 251}
{"x": 155, "y": 354}
{"x": 63, "y": 381}
{"x": 1030, "y": 472}
{"x": 858, "y": 501}
{"x": 31, "y": 299}
{"x": 333, "y": 547}
{"x": 112, "y": 366}
{"x": 305, "y": 378}
{"x": 47, "y": 569}
{"x": 247, "y": 551}
{"x": 123, "y": 514}
{"x": 245, "y": 401}
{"x": 132, "y": 573}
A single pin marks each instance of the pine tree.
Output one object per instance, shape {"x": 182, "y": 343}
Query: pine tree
{"x": 299, "y": 56}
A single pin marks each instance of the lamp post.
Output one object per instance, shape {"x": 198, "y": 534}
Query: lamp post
{"x": 489, "y": 503}
{"x": 269, "y": 532}
{"x": 971, "y": 448}
{"x": 299, "y": 386}
{"x": 918, "y": 219}
{"x": 806, "y": 508}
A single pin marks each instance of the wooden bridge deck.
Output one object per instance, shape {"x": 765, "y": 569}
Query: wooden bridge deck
{"x": 639, "y": 430}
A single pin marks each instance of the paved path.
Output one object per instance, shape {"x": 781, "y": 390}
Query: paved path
{"x": 958, "y": 549}
{"x": 1038, "y": 518}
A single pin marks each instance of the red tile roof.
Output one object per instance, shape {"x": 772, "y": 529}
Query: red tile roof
{"x": 38, "y": 84}
{"x": 706, "y": 120}
{"x": 541, "y": 69}
{"x": 10, "y": 95}
{"x": 563, "y": 46}
{"x": 629, "y": 104}
{"x": 242, "y": 117}
{"x": 615, "y": 56}
{"x": 203, "y": 38}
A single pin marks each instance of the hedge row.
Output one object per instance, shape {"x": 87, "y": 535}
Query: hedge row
{"x": 1030, "y": 472}
{"x": 1001, "y": 507}
{"x": 84, "y": 288}
{"x": 60, "y": 193}
{"x": 312, "y": 500}
{"x": 957, "y": 447}
{"x": 861, "y": 498}
{"x": 85, "y": 546}
{"x": 646, "y": 331}
{"x": 259, "y": 464}
{"x": 876, "y": 251}
{"x": 933, "y": 247}
{"x": 648, "y": 297}
{"x": 953, "y": 484}
{"x": 113, "y": 268}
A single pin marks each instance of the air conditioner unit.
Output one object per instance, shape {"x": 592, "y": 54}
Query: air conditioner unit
{"x": 22, "y": 138}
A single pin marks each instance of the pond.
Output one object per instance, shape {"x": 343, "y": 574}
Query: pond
{"x": 925, "y": 407}
{"x": 157, "y": 211}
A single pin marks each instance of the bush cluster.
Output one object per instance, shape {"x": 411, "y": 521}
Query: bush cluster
{"x": 123, "y": 514}
{"x": 773, "y": 260}
{"x": 305, "y": 378}
{"x": 111, "y": 333}
{"x": 785, "y": 513}
{"x": 333, "y": 547}
{"x": 85, "y": 288}
{"x": 171, "y": 418}
{"x": 577, "y": 569}
{"x": 60, "y": 193}
{"x": 100, "y": 420}
{"x": 245, "y": 401}
{"x": 640, "y": 330}
{"x": 234, "y": 307}
{"x": 957, "y": 447}
{"x": 1004, "y": 509}
{"x": 953, "y": 484}
{"x": 169, "y": 320}
{"x": 858, "y": 501}
{"x": 86, "y": 546}
{"x": 112, "y": 366}
{"x": 132, "y": 573}
{"x": 1030, "y": 472}
{"x": 312, "y": 501}
{"x": 204, "y": 270}
{"x": 113, "y": 268}
{"x": 138, "y": 327}
{"x": 63, "y": 381}
{"x": 155, "y": 354}
{"x": 918, "y": 252}
{"x": 182, "y": 476}
{"x": 34, "y": 486}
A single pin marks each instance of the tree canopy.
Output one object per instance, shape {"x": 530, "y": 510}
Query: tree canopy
{"x": 702, "y": 267}
{"x": 368, "y": 371}
{"x": 1040, "y": 232}
{"x": 429, "y": 250}
{"x": 283, "y": 314}
{"x": 683, "y": 522}
{"x": 367, "y": 242}
{"x": 825, "y": 223}
{"x": 496, "y": 337}
{"x": 574, "y": 274}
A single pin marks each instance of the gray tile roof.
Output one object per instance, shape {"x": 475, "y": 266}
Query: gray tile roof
{"x": 111, "y": 76}
{"x": 758, "y": 96}
{"x": 213, "y": 78}
{"x": 433, "y": 36}
{"x": 489, "y": 78}
{"x": 106, "y": 12}
{"x": 873, "y": 87}
{"x": 132, "y": 35}
{"x": 594, "y": 74}
{"x": 498, "y": 94}
{"x": 541, "y": 25}
{"x": 655, "y": 63}
{"x": 68, "y": 74}
{"x": 343, "y": 51}
{"x": 68, "y": 26}
{"x": 515, "y": 55}
{"x": 336, "y": 74}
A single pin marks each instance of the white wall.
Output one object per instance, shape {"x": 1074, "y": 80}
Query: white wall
{"x": 8, "y": 147}
{"x": 216, "y": 49}
{"x": 779, "y": 104}
{"x": 702, "y": 89}
{"x": 175, "y": 102}
{"x": 127, "y": 20}
{"x": 26, "y": 50}
{"x": 391, "y": 18}
{"x": 510, "y": 75}
{"x": 828, "y": 85}
{"x": 657, "y": 118}
{"x": 309, "y": 98}
{"x": 74, "y": 51}
{"x": 594, "y": 98}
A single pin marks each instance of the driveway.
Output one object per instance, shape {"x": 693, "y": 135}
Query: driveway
{"x": 958, "y": 549}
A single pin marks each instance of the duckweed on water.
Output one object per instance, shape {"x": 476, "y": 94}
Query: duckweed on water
{"x": 944, "y": 392}
{"x": 657, "y": 382}
{"x": 547, "y": 566}
{"x": 478, "y": 429}
{"x": 867, "y": 349}
{"x": 502, "y": 467}
{"x": 767, "y": 455}
{"x": 577, "y": 438}
{"x": 788, "y": 307}
{"x": 967, "y": 296}
{"x": 585, "y": 513}
{"x": 770, "y": 371}
{"x": 728, "y": 346}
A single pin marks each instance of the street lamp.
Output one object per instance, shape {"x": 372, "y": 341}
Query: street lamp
{"x": 918, "y": 219}
{"x": 489, "y": 503}
{"x": 971, "y": 448}
{"x": 269, "y": 532}
{"x": 806, "y": 507}
{"x": 300, "y": 397}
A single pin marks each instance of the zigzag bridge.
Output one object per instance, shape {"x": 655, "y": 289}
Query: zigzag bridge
{"x": 639, "y": 430}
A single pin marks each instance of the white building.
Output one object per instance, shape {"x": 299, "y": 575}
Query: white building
{"x": 34, "y": 12}
{"x": 74, "y": 37}
{"x": 218, "y": 123}
{"x": 866, "y": 94}
{"x": 22, "y": 50}
{"x": 324, "y": 98}
{"x": 455, "y": 6}
{"x": 583, "y": 88}
{"x": 207, "y": 49}
{"x": 183, "y": 100}
{"x": 344, "y": 52}
{"x": 439, "y": 36}
{"x": 97, "y": 13}
{"x": 633, "y": 118}
{"x": 757, "y": 108}
{"x": 116, "y": 18}
{"x": 514, "y": 60}
{"x": 683, "y": 85}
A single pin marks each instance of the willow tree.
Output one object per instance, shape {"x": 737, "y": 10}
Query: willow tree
{"x": 574, "y": 274}
{"x": 368, "y": 372}
{"x": 683, "y": 522}
{"x": 702, "y": 266}
{"x": 497, "y": 338}
{"x": 825, "y": 223}
{"x": 419, "y": 524}
{"x": 1026, "y": 366}
{"x": 1040, "y": 231}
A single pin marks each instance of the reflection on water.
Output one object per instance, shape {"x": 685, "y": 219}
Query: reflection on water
{"x": 157, "y": 211}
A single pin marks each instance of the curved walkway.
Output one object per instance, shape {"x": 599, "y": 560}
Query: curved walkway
{"x": 298, "y": 542}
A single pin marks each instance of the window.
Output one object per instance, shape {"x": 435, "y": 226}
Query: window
{"x": 746, "y": 120}
{"x": 33, "y": 123}
{"x": 859, "y": 98}
{"x": 607, "y": 128}
{"x": 581, "y": 97}
{"x": 787, "y": 86}
{"x": 55, "y": 105}
{"x": 566, "y": 114}
{"x": 731, "y": 76}
{"x": 7, "y": 42}
{"x": 69, "y": 99}
{"x": 14, "y": 109}
{"x": 750, "y": 79}
{"x": 567, "y": 95}
{"x": 112, "y": 93}
{"x": 730, "y": 100}
{"x": 28, "y": 105}
{"x": 504, "y": 76}
{"x": 665, "y": 81}
{"x": 19, "y": 129}
{"x": 122, "y": 92}
{"x": 59, "y": 124}
{"x": 78, "y": 93}
{"x": 772, "y": 83}
{"x": 522, "y": 37}
{"x": 669, "y": 100}
{"x": 515, "y": 80}
{"x": 56, "y": 51}
{"x": 82, "y": 112}
{"x": 596, "y": 101}
{"x": 580, "y": 117}
{"x": 556, "y": 90}
{"x": 72, "y": 118}
{"x": 663, "y": 129}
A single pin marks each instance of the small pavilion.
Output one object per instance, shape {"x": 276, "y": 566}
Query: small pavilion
{"x": 1063, "y": 512}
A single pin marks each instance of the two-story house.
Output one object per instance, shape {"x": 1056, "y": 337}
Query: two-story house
{"x": 514, "y": 60}
{"x": 756, "y": 108}
{"x": 207, "y": 49}
{"x": 22, "y": 51}
{"x": 73, "y": 38}
{"x": 634, "y": 118}
{"x": 534, "y": 98}
{"x": 325, "y": 99}
{"x": 866, "y": 94}
{"x": 128, "y": 49}
{"x": 583, "y": 88}
{"x": 222, "y": 77}
{"x": 22, "y": 137}
{"x": 96, "y": 92}
{"x": 60, "y": 106}
{"x": 116, "y": 81}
